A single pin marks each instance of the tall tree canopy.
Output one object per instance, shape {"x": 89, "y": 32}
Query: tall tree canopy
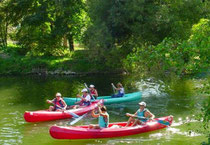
{"x": 42, "y": 24}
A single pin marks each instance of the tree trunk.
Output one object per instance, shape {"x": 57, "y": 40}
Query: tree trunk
{"x": 65, "y": 44}
{"x": 3, "y": 34}
{"x": 6, "y": 30}
{"x": 71, "y": 43}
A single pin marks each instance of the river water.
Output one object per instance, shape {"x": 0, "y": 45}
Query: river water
{"x": 164, "y": 96}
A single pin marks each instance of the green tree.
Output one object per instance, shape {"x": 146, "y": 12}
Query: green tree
{"x": 4, "y": 24}
{"x": 42, "y": 24}
{"x": 173, "y": 55}
{"x": 119, "y": 26}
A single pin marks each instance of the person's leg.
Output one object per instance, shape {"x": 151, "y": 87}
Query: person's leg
{"x": 96, "y": 127}
{"x": 91, "y": 126}
{"x": 131, "y": 119}
{"x": 119, "y": 95}
{"x": 51, "y": 108}
{"x": 113, "y": 96}
{"x": 76, "y": 106}
{"x": 136, "y": 122}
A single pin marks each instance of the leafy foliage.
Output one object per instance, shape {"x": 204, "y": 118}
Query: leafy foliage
{"x": 42, "y": 25}
{"x": 150, "y": 34}
{"x": 188, "y": 56}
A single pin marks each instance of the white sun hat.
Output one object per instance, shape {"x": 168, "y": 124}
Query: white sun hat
{"x": 143, "y": 103}
{"x": 84, "y": 90}
{"x": 92, "y": 86}
{"x": 58, "y": 94}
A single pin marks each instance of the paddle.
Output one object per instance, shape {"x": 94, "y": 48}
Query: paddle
{"x": 55, "y": 104}
{"x": 163, "y": 122}
{"x": 78, "y": 119}
{"x": 89, "y": 91}
{"x": 71, "y": 113}
{"x": 113, "y": 88}
{"x": 159, "y": 121}
{"x": 74, "y": 115}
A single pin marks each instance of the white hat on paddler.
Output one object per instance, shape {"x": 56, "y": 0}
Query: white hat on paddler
{"x": 84, "y": 90}
{"x": 92, "y": 86}
{"x": 58, "y": 94}
{"x": 143, "y": 104}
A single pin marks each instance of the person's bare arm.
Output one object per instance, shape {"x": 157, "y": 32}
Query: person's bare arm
{"x": 113, "y": 86}
{"x": 101, "y": 113}
{"x": 50, "y": 101}
{"x": 93, "y": 114}
{"x": 117, "y": 89}
{"x": 80, "y": 98}
{"x": 131, "y": 115}
{"x": 78, "y": 102}
{"x": 96, "y": 93}
{"x": 151, "y": 116}
{"x": 64, "y": 103}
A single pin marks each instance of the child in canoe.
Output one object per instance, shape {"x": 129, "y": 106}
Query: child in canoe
{"x": 59, "y": 103}
{"x": 120, "y": 90}
{"x": 85, "y": 99}
{"x": 142, "y": 115}
{"x": 103, "y": 118}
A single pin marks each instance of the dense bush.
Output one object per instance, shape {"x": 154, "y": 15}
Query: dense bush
{"x": 179, "y": 56}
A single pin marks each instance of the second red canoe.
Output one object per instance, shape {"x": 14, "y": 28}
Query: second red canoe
{"x": 45, "y": 115}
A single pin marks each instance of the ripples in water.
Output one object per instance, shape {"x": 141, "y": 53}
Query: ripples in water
{"x": 151, "y": 87}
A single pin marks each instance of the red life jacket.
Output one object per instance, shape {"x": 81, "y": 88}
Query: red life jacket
{"x": 93, "y": 92}
{"x": 58, "y": 103}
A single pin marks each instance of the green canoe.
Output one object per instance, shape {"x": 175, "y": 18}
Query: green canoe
{"x": 108, "y": 100}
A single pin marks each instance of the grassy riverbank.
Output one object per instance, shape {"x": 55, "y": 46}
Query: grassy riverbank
{"x": 72, "y": 64}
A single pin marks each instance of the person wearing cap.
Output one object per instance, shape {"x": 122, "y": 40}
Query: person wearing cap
{"x": 85, "y": 99}
{"x": 59, "y": 103}
{"x": 103, "y": 118}
{"x": 120, "y": 89}
{"x": 142, "y": 115}
{"x": 93, "y": 91}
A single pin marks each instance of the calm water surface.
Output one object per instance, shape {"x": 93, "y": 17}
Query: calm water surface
{"x": 168, "y": 96}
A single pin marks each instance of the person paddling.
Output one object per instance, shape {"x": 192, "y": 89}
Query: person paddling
{"x": 59, "y": 103}
{"x": 120, "y": 90}
{"x": 85, "y": 99}
{"x": 93, "y": 91}
{"x": 103, "y": 118}
{"x": 142, "y": 115}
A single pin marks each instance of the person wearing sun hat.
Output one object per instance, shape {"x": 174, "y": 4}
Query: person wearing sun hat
{"x": 85, "y": 99}
{"x": 93, "y": 91}
{"x": 142, "y": 115}
{"x": 120, "y": 89}
{"x": 59, "y": 103}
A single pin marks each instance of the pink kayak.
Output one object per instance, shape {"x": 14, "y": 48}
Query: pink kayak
{"x": 114, "y": 129}
{"x": 45, "y": 115}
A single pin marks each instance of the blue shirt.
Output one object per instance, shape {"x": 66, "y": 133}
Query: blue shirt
{"x": 103, "y": 122}
{"x": 141, "y": 114}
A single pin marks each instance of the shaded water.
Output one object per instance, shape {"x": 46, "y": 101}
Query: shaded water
{"x": 163, "y": 96}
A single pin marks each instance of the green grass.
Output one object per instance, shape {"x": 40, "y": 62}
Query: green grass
{"x": 78, "y": 62}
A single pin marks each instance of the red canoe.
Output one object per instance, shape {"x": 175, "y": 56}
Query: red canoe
{"x": 83, "y": 132}
{"x": 45, "y": 115}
